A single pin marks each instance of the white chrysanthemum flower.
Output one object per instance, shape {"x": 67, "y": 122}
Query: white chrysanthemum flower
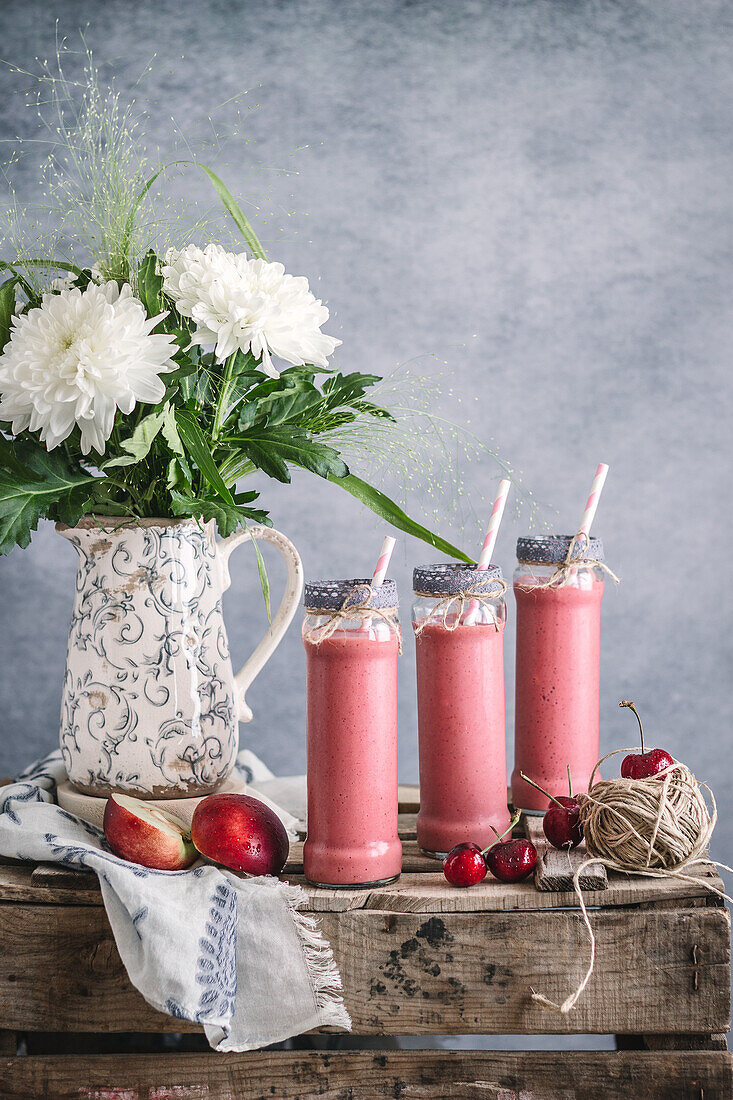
{"x": 78, "y": 358}
{"x": 252, "y": 305}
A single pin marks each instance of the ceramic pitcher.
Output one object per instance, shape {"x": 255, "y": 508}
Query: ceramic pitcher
{"x": 150, "y": 704}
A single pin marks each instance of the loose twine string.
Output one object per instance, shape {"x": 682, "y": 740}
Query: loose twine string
{"x": 360, "y": 611}
{"x": 565, "y": 568}
{"x": 475, "y": 592}
{"x": 659, "y": 827}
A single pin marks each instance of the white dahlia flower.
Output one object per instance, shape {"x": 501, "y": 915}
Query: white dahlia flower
{"x": 252, "y": 305}
{"x": 78, "y": 358}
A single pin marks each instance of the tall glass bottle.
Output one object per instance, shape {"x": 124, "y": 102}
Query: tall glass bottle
{"x": 351, "y": 636}
{"x": 459, "y": 616}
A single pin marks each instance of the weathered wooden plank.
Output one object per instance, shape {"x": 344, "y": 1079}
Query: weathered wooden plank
{"x": 423, "y": 893}
{"x": 413, "y": 860}
{"x": 408, "y": 798}
{"x": 413, "y": 893}
{"x": 58, "y": 877}
{"x": 555, "y": 869}
{"x": 8, "y": 1042}
{"x": 367, "y": 1075}
{"x": 403, "y": 973}
{"x": 685, "y": 1042}
{"x": 17, "y": 884}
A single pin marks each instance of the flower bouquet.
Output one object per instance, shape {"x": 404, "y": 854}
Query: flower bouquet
{"x": 149, "y": 378}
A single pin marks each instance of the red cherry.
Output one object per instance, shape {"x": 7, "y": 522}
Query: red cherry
{"x": 643, "y": 765}
{"x": 465, "y": 865}
{"x": 561, "y": 823}
{"x": 646, "y": 764}
{"x": 512, "y": 860}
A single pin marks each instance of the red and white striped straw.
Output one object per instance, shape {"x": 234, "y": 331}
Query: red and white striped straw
{"x": 497, "y": 512}
{"x": 487, "y": 549}
{"x": 593, "y": 499}
{"x": 380, "y": 570}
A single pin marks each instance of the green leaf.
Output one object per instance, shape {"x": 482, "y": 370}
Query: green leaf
{"x": 169, "y": 430}
{"x": 7, "y": 309}
{"x": 130, "y": 223}
{"x": 386, "y": 509}
{"x": 227, "y": 517}
{"x": 52, "y": 265}
{"x": 344, "y": 389}
{"x": 198, "y": 448}
{"x": 48, "y": 487}
{"x": 264, "y": 580}
{"x": 139, "y": 443}
{"x": 247, "y": 415}
{"x": 294, "y": 404}
{"x": 9, "y": 459}
{"x": 271, "y": 449}
{"x": 240, "y": 221}
{"x": 150, "y": 285}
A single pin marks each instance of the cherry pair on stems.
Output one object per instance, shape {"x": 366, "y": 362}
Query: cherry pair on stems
{"x": 508, "y": 860}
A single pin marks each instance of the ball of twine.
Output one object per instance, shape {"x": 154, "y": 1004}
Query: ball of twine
{"x": 661, "y": 823}
{"x": 659, "y": 826}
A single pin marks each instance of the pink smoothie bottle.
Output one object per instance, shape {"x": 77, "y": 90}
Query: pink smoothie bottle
{"x": 460, "y": 706}
{"x": 558, "y": 668}
{"x": 352, "y": 733}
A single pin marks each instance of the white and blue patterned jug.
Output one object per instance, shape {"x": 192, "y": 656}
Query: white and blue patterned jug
{"x": 150, "y": 703}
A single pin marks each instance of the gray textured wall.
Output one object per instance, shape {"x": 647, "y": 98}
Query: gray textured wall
{"x": 537, "y": 192}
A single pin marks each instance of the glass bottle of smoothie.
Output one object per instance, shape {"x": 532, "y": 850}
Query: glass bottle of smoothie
{"x": 460, "y": 705}
{"x": 558, "y": 667}
{"x": 351, "y": 668}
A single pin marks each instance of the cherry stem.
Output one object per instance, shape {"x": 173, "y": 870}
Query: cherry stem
{"x": 570, "y": 782}
{"x": 630, "y": 705}
{"x": 510, "y": 828}
{"x": 542, "y": 790}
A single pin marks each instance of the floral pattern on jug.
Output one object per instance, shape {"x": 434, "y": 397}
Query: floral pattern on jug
{"x": 150, "y": 704}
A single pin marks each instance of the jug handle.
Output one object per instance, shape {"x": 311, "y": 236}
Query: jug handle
{"x": 283, "y": 616}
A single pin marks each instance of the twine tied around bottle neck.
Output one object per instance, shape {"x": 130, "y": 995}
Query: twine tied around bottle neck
{"x": 565, "y": 568}
{"x": 358, "y": 611}
{"x": 659, "y": 827}
{"x": 459, "y": 600}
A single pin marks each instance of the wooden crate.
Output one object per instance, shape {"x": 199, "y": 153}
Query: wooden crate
{"x": 417, "y": 958}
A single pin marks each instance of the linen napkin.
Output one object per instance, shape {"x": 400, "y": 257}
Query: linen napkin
{"x": 233, "y": 954}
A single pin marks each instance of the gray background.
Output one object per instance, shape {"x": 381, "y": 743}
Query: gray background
{"x": 538, "y": 194}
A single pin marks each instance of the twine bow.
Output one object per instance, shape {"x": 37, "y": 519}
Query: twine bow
{"x": 565, "y": 568}
{"x": 359, "y": 611}
{"x": 474, "y": 593}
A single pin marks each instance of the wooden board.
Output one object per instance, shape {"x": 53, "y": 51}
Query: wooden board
{"x": 421, "y": 890}
{"x": 658, "y": 970}
{"x": 368, "y": 1075}
{"x": 555, "y": 869}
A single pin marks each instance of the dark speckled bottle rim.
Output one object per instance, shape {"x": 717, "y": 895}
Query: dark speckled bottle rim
{"x": 553, "y": 549}
{"x": 333, "y": 595}
{"x": 451, "y": 578}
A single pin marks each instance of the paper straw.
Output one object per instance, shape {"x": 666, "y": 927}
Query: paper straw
{"x": 380, "y": 571}
{"x": 591, "y": 508}
{"x": 487, "y": 549}
{"x": 593, "y": 499}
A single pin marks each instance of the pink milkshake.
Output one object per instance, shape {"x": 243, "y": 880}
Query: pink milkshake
{"x": 352, "y": 737}
{"x": 558, "y": 669}
{"x": 460, "y": 700}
